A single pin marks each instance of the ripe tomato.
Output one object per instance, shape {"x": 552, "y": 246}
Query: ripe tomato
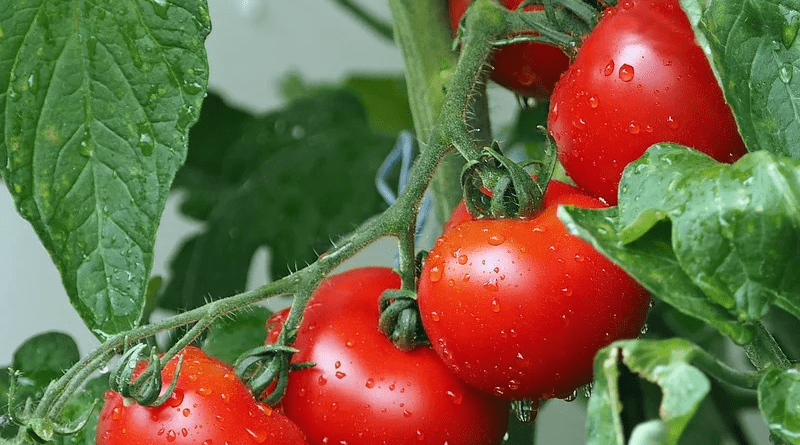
{"x": 518, "y": 308}
{"x": 639, "y": 78}
{"x": 363, "y": 390}
{"x": 529, "y": 69}
{"x": 210, "y": 406}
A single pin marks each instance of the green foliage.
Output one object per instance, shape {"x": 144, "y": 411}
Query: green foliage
{"x": 292, "y": 180}
{"x": 232, "y": 336}
{"x": 665, "y": 363}
{"x": 94, "y": 116}
{"x": 40, "y": 360}
{"x": 754, "y": 51}
{"x": 779, "y": 401}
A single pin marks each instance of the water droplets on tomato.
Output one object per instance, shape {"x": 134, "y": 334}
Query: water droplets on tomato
{"x": 435, "y": 274}
{"x": 337, "y": 365}
{"x": 203, "y": 391}
{"x": 176, "y": 398}
{"x": 594, "y": 102}
{"x": 455, "y": 397}
{"x": 609, "y": 68}
{"x": 634, "y": 128}
{"x": 258, "y": 436}
{"x": 495, "y": 305}
{"x": 462, "y": 259}
{"x": 627, "y": 4}
{"x": 370, "y": 383}
{"x": 186, "y": 412}
{"x": 340, "y": 375}
{"x": 490, "y": 285}
{"x": 171, "y": 436}
{"x": 671, "y": 123}
{"x": 626, "y": 72}
{"x": 322, "y": 380}
{"x": 334, "y": 407}
{"x": 435, "y": 316}
{"x": 496, "y": 239}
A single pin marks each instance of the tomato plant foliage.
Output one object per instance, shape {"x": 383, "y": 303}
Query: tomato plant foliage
{"x": 105, "y": 110}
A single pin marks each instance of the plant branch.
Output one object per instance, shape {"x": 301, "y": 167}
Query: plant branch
{"x": 724, "y": 373}
{"x": 381, "y": 27}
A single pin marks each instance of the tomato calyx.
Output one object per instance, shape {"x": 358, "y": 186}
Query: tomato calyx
{"x": 400, "y": 320}
{"x": 497, "y": 187}
{"x": 144, "y": 389}
{"x": 265, "y": 370}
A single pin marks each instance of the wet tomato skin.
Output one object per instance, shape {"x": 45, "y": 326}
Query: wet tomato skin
{"x": 527, "y": 68}
{"x": 638, "y": 79}
{"x": 363, "y": 390}
{"x": 518, "y": 308}
{"x": 209, "y": 406}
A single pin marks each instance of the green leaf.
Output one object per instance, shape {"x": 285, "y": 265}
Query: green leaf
{"x": 232, "y": 336}
{"x": 384, "y": 96}
{"x": 779, "y": 401}
{"x": 665, "y": 363}
{"x": 735, "y": 228}
{"x": 293, "y": 181}
{"x": 753, "y": 50}
{"x": 45, "y": 357}
{"x": 96, "y": 99}
{"x": 651, "y": 261}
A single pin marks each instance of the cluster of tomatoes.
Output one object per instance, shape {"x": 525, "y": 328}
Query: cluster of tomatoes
{"x": 514, "y": 309}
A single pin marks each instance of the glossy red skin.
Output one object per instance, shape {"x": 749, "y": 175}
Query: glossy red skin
{"x": 601, "y": 122}
{"x": 518, "y": 308}
{"x": 529, "y": 69}
{"x": 365, "y": 391}
{"x": 210, "y": 406}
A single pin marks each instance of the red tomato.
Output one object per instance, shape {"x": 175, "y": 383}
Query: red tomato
{"x": 210, "y": 406}
{"x": 518, "y": 308}
{"x": 363, "y": 390}
{"x": 639, "y": 78}
{"x": 529, "y": 69}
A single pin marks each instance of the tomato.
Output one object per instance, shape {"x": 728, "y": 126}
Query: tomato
{"x": 210, "y": 406}
{"x": 639, "y": 78}
{"x": 527, "y": 68}
{"x": 363, "y": 390}
{"x": 518, "y": 308}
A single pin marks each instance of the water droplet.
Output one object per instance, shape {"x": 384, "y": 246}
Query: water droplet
{"x": 187, "y": 412}
{"x": 175, "y": 399}
{"x": 498, "y": 391}
{"x": 609, "y": 68}
{"x": 462, "y": 259}
{"x": 633, "y": 128}
{"x": 571, "y": 397}
{"x": 671, "y": 123}
{"x": 203, "y": 391}
{"x": 298, "y": 132}
{"x": 420, "y": 436}
{"x": 334, "y": 407}
{"x": 465, "y": 278}
{"x": 407, "y": 413}
{"x": 495, "y": 305}
{"x": 184, "y": 432}
{"x": 594, "y": 102}
{"x": 785, "y": 73}
{"x": 587, "y": 389}
{"x": 435, "y": 274}
{"x": 627, "y": 4}
{"x": 171, "y": 436}
{"x": 651, "y": 304}
{"x": 525, "y": 410}
{"x": 490, "y": 285}
{"x": 626, "y": 72}
{"x": 258, "y": 437}
{"x": 146, "y": 144}
{"x": 116, "y": 413}
{"x": 301, "y": 392}
{"x": 496, "y": 240}
{"x": 455, "y": 397}
{"x": 208, "y": 442}
{"x": 370, "y": 383}
{"x": 337, "y": 365}
{"x": 790, "y": 27}
{"x": 519, "y": 356}
{"x": 435, "y": 316}
{"x": 322, "y": 380}
{"x": 340, "y": 375}
{"x": 513, "y": 385}
{"x": 644, "y": 329}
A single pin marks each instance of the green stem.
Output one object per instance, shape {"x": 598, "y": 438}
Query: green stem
{"x": 764, "y": 351}
{"x": 724, "y": 373}
{"x": 381, "y": 27}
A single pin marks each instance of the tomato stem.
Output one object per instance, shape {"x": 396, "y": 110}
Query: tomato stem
{"x": 764, "y": 352}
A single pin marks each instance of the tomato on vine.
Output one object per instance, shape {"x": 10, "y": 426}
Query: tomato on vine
{"x": 518, "y": 308}
{"x": 209, "y": 406}
{"x": 639, "y": 78}
{"x": 527, "y": 68}
{"x": 363, "y": 390}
